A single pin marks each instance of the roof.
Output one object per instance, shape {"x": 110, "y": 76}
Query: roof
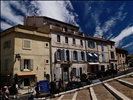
{"x": 97, "y": 39}
{"x": 54, "y": 20}
{"x": 12, "y": 29}
{"x": 121, "y": 49}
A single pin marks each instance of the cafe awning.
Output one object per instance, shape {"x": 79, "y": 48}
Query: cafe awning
{"x": 26, "y": 73}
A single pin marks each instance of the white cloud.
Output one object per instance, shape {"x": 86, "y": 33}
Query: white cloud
{"x": 124, "y": 33}
{"x": 128, "y": 45}
{"x": 109, "y": 24}
{"x": 5, "y": 25}
{"x": 60, "y": 10}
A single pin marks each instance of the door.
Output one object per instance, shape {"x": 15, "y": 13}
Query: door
{"x": 65, "y": 74}
{"x": 26, "y": 82}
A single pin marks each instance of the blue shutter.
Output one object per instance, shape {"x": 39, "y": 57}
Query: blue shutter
{"x": 64, "y": 55}
{"x": 102, "y": 46}
{"x": 88, "y": 43}
{"x": 103, "y": 56}
{"x": 93, "y": 56}
{"x": 72, "y": 55}
{"x": 85, "y": 54}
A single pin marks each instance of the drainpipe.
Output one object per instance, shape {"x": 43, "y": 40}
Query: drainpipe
{"x": 51, "y": 60}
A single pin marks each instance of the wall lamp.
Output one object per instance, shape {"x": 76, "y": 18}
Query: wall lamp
{"x": 18, "y": 56}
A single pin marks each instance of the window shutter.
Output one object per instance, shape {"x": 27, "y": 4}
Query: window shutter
{"x": 77, "y": 72}
{"x": 64, "y": 55}
{"x": 56, "y": 55}
{"x": 22, "y": 65}
{"x": 31, "y": 65}
{"x": 79, "y": 55}
{"x": 72, "y": 55}
{"x": 93, "y": 56}
{"x": 103, "y": 57}
{"x": 85, "y": 54}
{"x": 69, "y": 56}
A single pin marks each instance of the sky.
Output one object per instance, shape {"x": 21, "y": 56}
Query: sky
{"x": 111, "y": 19}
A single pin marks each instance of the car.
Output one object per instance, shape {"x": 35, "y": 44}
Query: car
{"x": 73, "y": 85}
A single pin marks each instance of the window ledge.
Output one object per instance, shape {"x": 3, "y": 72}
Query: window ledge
{"x": 26, "y": 70}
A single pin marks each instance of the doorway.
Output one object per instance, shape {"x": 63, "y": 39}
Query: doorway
{"x": 26, "y": 82}
{"x": 65, "y": 74}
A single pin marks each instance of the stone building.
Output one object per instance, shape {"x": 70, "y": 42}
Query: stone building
{"x": 25, "y": 51}
{"x": 68, "y": 56}
{"x": 121, "y": 55}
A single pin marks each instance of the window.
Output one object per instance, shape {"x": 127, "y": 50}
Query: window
{"x": 91, "y": 44}
{"x": 58, "y": 38}
{"x": 111, "y": 45}
{"x": 75, "y": 55}
{"x": 112, "y": 55}
{"x": 65, "y": 28}
{"x": 81, "y": 42}
{"x": 47, "y": 61}
{"x": 58, "y": 54}
{"x": 6, "y": 65}
{"x": 66, "y": 40}
{"x": 72, "y": 30}
{"x": 27, "y": 44}
{"x": 46, "y": 45}
{"x": 122, "y": 54}
{"x": 26, "y": 64}
{"x": 74, "y": 41}
{"x": 74, "y": 71}
{"x": 7, "y": 44}
{"x": 82, "y": 56}
{"x": 67, "y": 55}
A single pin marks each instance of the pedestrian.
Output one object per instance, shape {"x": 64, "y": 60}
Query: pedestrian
{"x": 16, "y": 91}
{"x": 60, "y": 85}
{"x": 37, "y": 90}
{"x": 5, "y": 93}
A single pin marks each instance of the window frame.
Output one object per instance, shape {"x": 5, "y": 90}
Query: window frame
{"x": 27, "y": 40}
{"x": 58, "y": 38}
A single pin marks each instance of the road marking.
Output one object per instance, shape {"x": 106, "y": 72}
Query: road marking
{"x": 61, "y": 97}
{"x": 75, "y": 95}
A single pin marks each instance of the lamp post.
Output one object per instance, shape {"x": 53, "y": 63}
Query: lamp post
{"x": 18, "y": 56}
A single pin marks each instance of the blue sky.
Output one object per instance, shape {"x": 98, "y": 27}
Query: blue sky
{"x": 111, "y": 19}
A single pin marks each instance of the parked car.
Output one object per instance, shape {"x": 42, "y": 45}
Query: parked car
{"x": 92, "y": 76}
{"x": 73, "y": 85}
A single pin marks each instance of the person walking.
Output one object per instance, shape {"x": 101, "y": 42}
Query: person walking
{"x": 16, "y": 91}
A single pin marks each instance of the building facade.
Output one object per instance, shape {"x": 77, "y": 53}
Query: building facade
{"x": 25, "y": 51}
{"x": 92, "y": 55}
{"x": 68, "y": 55}
{"x": 121, "y": 55}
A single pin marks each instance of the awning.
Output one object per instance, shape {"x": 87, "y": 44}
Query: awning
{"x": 26, "y": 73}
{"x": 90, "y": 54}
{"x": 96, "y": 55}
{"x": 91, "y": 63}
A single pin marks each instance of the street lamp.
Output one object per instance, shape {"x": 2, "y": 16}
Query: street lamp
{"x": 18, "y": 56}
